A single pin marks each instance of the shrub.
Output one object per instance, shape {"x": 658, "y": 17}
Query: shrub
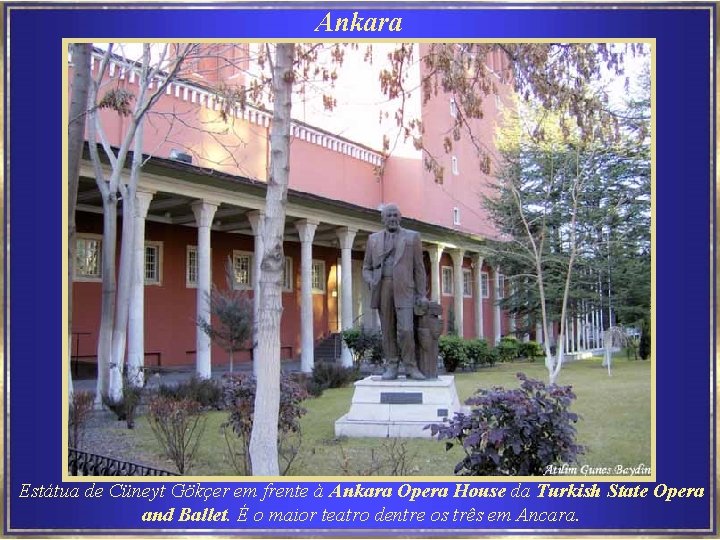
{"x": 239, "y": 393}
{"x": 632, "y": 348}
{"x": 125, "y": 407}
{"x": 351, "y": 336}
{"x": 178, "y": 426}
{"x": 332, "y": 375}
{"x": 207, "y": 393}
{"x": 392, "y": 458}
{"x": 529, "y": 350}
{"x": 364, "y": 345}
{"x": 306, "y": 381}
{"x": 479, "y": 353}
{"x": 514, "y": 432}
{"x": 508, "y": 349}
{"x": 644, "y": 349}
{"x": 80, "y": 407}
{"x": 452, "y": 351}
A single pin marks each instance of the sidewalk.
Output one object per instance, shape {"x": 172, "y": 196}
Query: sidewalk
{"x": 174, "y": 377}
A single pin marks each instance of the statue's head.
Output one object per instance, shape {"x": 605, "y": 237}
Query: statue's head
{"x": 390, "y": 216}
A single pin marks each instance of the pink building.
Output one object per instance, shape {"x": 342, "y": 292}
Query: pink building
{"x": 202, "y": 204}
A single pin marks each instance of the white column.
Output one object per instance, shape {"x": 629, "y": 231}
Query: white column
{"x": 204, "y": 212}
{"x": 257, "y": 220}
{"x": 346, "y": 237}
{"x": 477, "y": 283}
{"x": 457, "y": 258}
{"x": 566, "y": 337}
{"x": 539, "y": 333}
{"x": 587, "y": 326}
{"x": 496, "y": 311}
{"x": 306, "y": 229}
{"x": 435, "y": 253}
{"x": 578, "y": 333}
{"x": 136, "y": 316}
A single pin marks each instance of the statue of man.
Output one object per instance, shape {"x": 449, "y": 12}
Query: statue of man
{"x": 393, "y": 267}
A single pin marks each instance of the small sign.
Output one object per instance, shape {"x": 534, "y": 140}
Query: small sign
{"x": 442, "y": 413}
{"x": 401, "y": 398}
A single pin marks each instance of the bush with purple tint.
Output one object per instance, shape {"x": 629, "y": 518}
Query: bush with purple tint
{"x": 514, "y": 432}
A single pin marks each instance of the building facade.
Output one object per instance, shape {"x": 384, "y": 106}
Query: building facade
{"x": 200, "y": 203}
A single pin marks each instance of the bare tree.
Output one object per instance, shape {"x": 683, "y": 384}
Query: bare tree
{"x": 233, "y": 311}
{"x": 555, "y": 75}
{"x": 115, "y": 299}
{"x": 540, "y": 195}
{"x": 263, "y": 440}
{"x": 80, "y": 86}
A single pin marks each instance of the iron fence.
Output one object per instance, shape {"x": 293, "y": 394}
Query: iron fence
{"x": 86, "y": 464}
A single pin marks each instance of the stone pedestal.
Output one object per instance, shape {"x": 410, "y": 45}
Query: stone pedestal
{"x": 399, "y": 408}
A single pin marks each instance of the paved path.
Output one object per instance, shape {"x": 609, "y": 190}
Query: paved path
{"x": 175, "y": 376}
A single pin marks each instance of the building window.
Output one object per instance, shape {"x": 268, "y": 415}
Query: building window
{"x": 243, "y": 268}
{"x": 456, "y": 216}
{"x": 467, "y": 283}
{"x": 501, "y": 286}
{"x": 318, "y": 276}
{"x": 88, "y": 257}
{"x": 191, "y": 266}
{"x": 454, "y": 165}
{"x": 453, "y": 108}
{"x": 447, "y": 280}
{"x": 288, "y": 275}
{"x": 485, "y": 284}
{"x": 153, "y": 263}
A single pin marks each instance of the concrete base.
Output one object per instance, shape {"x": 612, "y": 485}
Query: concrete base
{"x": 399, "y": 408}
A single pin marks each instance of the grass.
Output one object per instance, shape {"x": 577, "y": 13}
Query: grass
{"x": 615, "y": 425}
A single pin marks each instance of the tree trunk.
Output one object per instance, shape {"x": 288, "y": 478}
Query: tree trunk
{"x": 80, "y": 87}
{"x": 112, "y": 341}
{"x": 107, "y": 310}
{"x": 263, "y": 440}
{"x": 119, "y": 335}
{"x": 127, "y": 254}
{"x": 559, "y": 352}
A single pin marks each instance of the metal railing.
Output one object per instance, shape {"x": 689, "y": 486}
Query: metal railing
{"x": 85, "y": 464}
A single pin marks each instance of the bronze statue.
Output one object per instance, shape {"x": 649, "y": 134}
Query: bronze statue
{"x": 428, "y": 327}
{"x": 393, "y": 267}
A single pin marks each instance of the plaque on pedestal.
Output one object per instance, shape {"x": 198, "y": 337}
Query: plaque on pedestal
{"x": 398, "y": 408}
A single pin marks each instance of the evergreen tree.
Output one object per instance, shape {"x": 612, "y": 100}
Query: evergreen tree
{"x": 574, "y": 216}
{"x": 645, "y": 341}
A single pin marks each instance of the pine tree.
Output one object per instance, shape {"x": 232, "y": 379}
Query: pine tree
{"x": 645, "y": 341}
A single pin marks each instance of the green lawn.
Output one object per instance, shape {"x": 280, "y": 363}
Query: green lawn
{"x": 615, "y": 425}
